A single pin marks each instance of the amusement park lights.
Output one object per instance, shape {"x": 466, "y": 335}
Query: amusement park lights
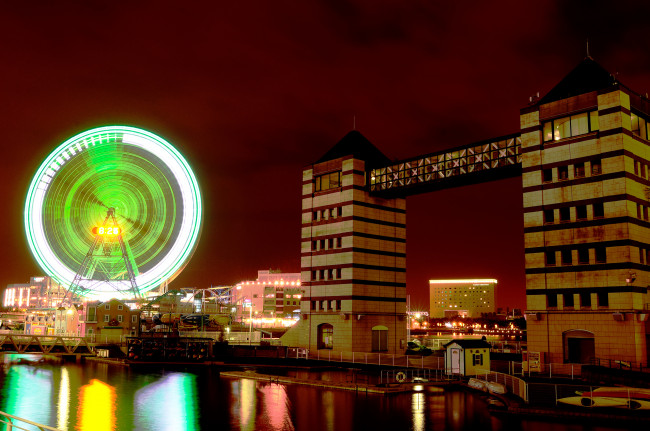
{"x": 147, "y": 181}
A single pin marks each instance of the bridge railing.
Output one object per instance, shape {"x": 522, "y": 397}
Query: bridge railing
{"x": 12, "y": 422}
{"x": 48, "y": 344}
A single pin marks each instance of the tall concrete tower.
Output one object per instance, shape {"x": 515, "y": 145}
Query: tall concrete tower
{"x": 353, "y": 255}
{"x": 586, "y": 178}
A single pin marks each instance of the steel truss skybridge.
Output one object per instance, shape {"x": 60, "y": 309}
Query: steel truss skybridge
{"x": 492, "y": 159}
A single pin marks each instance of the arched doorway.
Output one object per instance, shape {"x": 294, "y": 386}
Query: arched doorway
{"x": 579, "y": 346}
{"x": 325, "y": 336}
{"x": 379, "y": 338}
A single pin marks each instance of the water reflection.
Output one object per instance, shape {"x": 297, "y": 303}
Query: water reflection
{"x": 95, "y": 397}
{"x": 417, "y": 409}
{"x": 27, "y": 391}
{"x": 175, "y": 394}
{"x": 96, "y": 407}
{"x": 276, "y": 406}
{"x": 63, "y": 407}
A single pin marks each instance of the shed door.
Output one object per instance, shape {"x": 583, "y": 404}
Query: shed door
{"x": 455, "y": 360}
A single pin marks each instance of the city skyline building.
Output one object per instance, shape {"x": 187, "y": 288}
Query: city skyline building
{"x": 462, "y": 297}
{"x": 273, "y": 295}
{"x": 40, "y": 292}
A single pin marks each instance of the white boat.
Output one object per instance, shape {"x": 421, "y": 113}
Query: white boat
{"x": 619, "y": 397}
{"x": 496, "y": 388}
{"x": 479, "y": 384}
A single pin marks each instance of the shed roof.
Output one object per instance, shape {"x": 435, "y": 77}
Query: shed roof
{"x": 470, "y": 344}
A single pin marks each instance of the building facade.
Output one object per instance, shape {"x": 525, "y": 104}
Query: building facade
{"x": 274, "y": 295}
{"x": 112, "y": 318}
{"x": 586, "y": 190}
{"x": 353, "y": 256}
{"x": 462, "y": 297}
{"x": 40, "y": 292}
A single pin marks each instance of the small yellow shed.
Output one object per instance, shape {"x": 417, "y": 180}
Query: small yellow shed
{"x": 467, "y": 357}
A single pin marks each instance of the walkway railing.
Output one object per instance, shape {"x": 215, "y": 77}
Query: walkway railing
{"x": 12, "y": 422}
{"x": 365, "y": 358}
{"x": 513, "y": 384}
{"x": 643, "y": 367}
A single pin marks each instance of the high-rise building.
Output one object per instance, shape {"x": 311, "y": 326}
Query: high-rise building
{"x": 586, "y": 179}
{"x": 465, "y": 298}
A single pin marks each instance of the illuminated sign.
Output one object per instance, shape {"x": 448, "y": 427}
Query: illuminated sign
{"x": 106, "y": 230}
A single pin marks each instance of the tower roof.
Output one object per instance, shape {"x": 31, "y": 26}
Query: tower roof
{"x": 586, "y": 77}
{"x": 355, "y": 144}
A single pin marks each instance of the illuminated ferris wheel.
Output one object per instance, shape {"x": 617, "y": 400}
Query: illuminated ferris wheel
{"x": 113, "y": 212}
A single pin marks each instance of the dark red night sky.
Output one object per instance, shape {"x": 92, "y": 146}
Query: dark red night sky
{"x": 250, "y": 92}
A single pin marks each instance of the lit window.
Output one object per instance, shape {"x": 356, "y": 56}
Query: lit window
{"x": 327, "y": 181}
{"x": 566, "y": 127}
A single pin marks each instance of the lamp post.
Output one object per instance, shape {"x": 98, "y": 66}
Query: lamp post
{"x": 250, "y": 322}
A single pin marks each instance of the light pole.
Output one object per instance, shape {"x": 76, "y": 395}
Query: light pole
{"x": 250, "y": 323}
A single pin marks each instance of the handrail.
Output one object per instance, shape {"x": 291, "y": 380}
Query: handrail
{"x": 11, "y": 425}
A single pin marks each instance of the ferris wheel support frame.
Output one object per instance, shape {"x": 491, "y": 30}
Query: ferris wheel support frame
{"x": 75, "y": 286}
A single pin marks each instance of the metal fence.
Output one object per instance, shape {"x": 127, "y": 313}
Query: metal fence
{"x": 415, "y": 375}
{"x": 12, "y": 422}
{"x": 385, "y": 359}
{"x": 512, "y": 384}
{"x": 643, "y": 367}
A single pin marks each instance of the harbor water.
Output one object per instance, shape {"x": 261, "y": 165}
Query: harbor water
{"x": 97, "y": 396}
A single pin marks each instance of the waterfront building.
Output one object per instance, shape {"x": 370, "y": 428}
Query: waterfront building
{"x": 462, "y": 297}
{"x": 582, "y": 152}
{"x": 273, "y": 295}
{"x": 586, "y": 176}
{"x": 40, "y": 292}
{"x": 353, "y": 255}
{"x": 111, "y": 318}
{"x": 66, "y": 321}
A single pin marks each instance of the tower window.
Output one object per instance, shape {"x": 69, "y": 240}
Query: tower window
{"x": 603, "y": 299}
{"x": 583, "y": 256}
{"x": 596, "y": 167}
{"x": 551, "y": 300}
{"x": 565, "y": 214}
{"x": 547, "y": 175}
{"x": 581, "y": 212}
{"x": 327, "y": 181}
{"x": 601, "y": 255}
{"x": 599, "y": 210}
{"x": 568, "y": 300}
{"x": 566, "y": 257}
{"x": 563, "y": 173}
{"x": 550, "y": 258}
{"x": 549, "y": 217}
{"x": 579, "y": 169}
{"x": 585, "y": 299}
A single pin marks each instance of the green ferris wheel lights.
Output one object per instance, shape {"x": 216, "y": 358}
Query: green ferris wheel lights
{"x": 144, "y": 178}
